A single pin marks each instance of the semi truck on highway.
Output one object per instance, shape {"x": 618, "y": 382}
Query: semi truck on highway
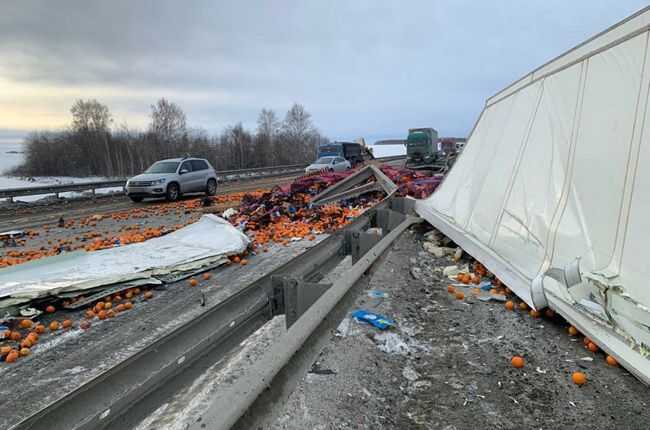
{"x": 425, "y": 151}
{"x": 354, "y": 152}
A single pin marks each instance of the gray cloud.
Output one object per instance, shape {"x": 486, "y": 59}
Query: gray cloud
{"x": 370, "y": 68}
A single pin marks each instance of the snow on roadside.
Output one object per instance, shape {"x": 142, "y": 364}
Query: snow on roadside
{"x": 14, "y": 182}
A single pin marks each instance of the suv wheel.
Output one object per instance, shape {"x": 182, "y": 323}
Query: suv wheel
{"x": 136, "y": 199}
{"x": 211, "y": 188}
{"x": 173, "y": 192}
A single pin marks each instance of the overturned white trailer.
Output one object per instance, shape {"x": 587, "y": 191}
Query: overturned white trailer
{"x": 552, "y": 192}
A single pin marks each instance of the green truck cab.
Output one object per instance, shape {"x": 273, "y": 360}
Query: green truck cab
{"x": 421, "y": 147}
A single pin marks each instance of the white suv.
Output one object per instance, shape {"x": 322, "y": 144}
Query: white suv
{"x": 173, "y": 177}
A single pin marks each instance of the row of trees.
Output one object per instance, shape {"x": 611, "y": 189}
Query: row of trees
{"x": 92, "y": 146}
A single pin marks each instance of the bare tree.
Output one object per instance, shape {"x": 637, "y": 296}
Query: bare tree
{"x": 268, "y": 128}
{"x": 90, "y": 116}
{"x": 90, "y": 126}
{"x": 299, "y": 133}
{"x": 168, "y": 121}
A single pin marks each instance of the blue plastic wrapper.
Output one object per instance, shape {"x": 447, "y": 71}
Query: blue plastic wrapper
{"x": 485, "y": 285}
{"x": 379, "y": 321}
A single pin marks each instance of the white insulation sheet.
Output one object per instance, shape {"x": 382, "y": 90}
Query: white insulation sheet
{"x": 554, "y": 180}
{"x": 197, "y": 245}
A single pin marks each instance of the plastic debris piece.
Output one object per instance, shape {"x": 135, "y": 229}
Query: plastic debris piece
{"x": 377, "y": 294}
{"x": 410, "y": 374}
{"x": 229, "y": 212}
{"x": 495, "y": 297}
{"x": 391, "y": 343}
{"x": 379, "y": 321}
{"x": 451, "y": 271}
{"x": 485, "y": 286}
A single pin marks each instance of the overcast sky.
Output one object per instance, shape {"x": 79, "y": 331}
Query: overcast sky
{"x": 362, "y": 68}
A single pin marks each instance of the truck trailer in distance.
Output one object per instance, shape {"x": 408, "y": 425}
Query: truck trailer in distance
{"x": 355, "y": 153}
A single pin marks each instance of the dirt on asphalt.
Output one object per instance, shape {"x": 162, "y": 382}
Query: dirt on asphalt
{"x": 447, "y": 364}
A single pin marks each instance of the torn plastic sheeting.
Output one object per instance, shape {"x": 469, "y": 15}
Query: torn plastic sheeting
{"x": 186, "y": 250}
{"x": 539, "y": 189}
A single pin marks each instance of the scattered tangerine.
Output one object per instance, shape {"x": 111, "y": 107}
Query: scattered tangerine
{"x": 54, "y": 326}
{"x": 12, "y": 356}
{"x": 26, "y": 323}
{"x": 460, "y": 295}
{"x": 534, "y": 313}
{"x": 573, "y": 331}
{"x": 206, "y": 276}
{"x": 67, "y": 324}
{"x": 451, "y": 289}
{"x": 40, "y": 329}
{"x": 193, "y": 282}
{"x": 24, "y": 352}
{"x": 517, "y": 362}
{"x": 509, "y": 305}
{"x": 592, "y": 347}
{"x": 579, "y": 378}
{"x": 611, "y": 361}
{"x": 50, "y": 309}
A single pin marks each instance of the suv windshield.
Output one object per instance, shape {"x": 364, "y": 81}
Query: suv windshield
{"x": 163, "y": 167}
{"x": 324, "y": 160}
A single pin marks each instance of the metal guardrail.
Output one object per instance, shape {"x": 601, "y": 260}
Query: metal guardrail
{"x": 222, "y": 176}
{"x": 295, "y": 289}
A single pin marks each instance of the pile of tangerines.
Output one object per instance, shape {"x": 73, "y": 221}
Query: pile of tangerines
{"x": 25, "y": 333}
{"x": 95, "y": 240}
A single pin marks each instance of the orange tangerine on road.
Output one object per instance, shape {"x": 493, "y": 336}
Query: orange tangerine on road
{"x": 193, "y": 282}
{"x": 460, "y": 295}
{"x": 611, "y": 361}
{"x": 12, "y": 356}
{"x": 579, "y": 378}
{"x": 517, "y": 362}
{"x": 509, "y": 305}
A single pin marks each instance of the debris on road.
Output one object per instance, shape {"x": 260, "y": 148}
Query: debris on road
{"x": 379, "y": 321}
{"x": 198, "y": 246}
